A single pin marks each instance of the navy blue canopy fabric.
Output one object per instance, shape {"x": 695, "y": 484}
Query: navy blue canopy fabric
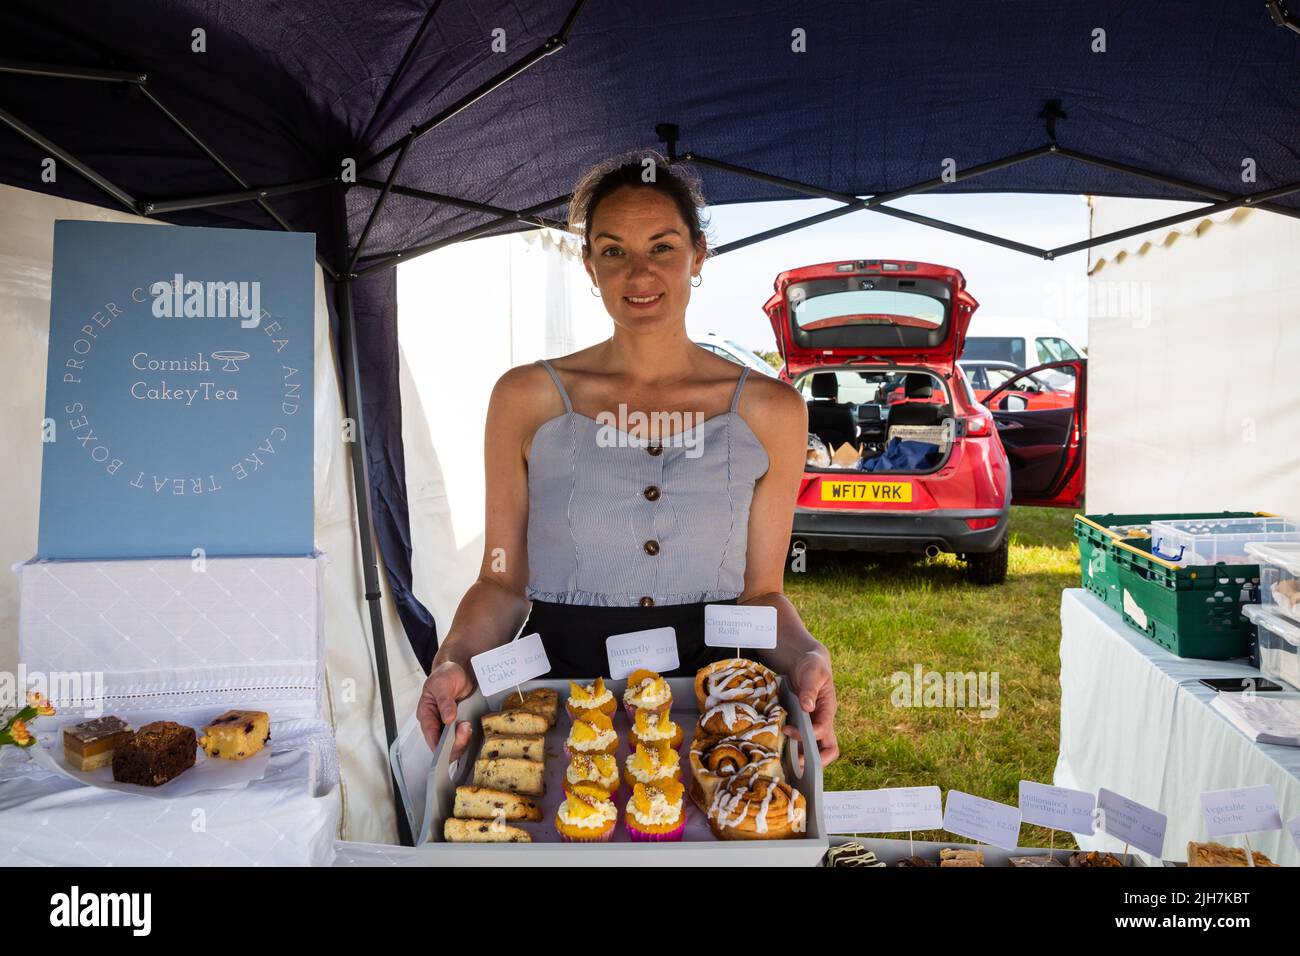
{"x": 856, "y": 97}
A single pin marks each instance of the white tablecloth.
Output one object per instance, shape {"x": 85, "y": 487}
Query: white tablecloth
{"x": 188, "y": 640}
{"x": 290, "y": 817}
{"x": 1135, "y": 720}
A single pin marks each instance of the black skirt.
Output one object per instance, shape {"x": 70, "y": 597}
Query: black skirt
{"x": 574, "y": 635}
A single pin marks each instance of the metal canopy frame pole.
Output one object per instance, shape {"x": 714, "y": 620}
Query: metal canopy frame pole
{"x": 441, "y": 198}
{"x": 873, "y": 204}
{"x": 668, "y": 132}
{"x": 551, "y": 45}
{"x": 156, "y": 207}
{"x": 403, "y": 146}
{"x": 350, "y": 375}
{"x": 389, "y": 260}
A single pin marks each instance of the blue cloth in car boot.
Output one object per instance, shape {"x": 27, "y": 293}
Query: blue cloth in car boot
{"x": 903, "y": 455}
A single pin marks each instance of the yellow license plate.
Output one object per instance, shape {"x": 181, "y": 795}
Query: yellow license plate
{"x": 882, "y": 492}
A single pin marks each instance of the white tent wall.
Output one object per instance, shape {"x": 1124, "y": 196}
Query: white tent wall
{"x": 468, "y": 313}
{"x": 26, "y": 251}
{"x": 1194, "y": 371}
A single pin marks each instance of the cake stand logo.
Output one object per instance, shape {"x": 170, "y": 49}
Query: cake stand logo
{"x": 79, "y": 691}
{"x": 956, "y": 689}
{"x": 215, "y": 379}
{"x": 671, "y": 429}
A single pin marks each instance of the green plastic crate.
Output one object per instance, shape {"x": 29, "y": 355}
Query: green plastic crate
{"x": 1097, "y": 567}
{"x": 1191, "y": 611}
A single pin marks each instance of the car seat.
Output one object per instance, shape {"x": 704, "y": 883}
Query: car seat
{"x": 829, "y": 419}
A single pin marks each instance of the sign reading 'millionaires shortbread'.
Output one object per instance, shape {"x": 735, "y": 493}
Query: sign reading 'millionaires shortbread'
{"x": 178, "y": 396}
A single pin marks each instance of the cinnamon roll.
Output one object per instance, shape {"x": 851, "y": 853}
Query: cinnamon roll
{"x": 750, "y": 805}
{"x": 713, "y": 760}
{"x": 735, "y": 680}
{"x": 763, "y": 727}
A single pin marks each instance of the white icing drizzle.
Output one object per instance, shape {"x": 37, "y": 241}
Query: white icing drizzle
{"x": 739, "y": 680}
{"x": 734, "y": 799}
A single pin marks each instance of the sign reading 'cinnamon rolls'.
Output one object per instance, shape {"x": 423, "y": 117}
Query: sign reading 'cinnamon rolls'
{"x": 740, "y": 625}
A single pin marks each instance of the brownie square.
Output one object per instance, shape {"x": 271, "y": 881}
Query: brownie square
{"x": 156, "y": 753}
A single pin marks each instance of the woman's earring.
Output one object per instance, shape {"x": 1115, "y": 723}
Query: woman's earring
{"x": 595, "y": 290}
{"x": 696, "y": 285}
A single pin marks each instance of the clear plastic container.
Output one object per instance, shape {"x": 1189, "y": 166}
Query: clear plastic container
{"x": 1199, "y": 541}
{"x": 1279, "y": 576}
{"x": 1279, "y": 645}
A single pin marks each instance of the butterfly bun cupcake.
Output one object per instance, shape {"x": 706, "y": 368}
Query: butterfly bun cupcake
{"x": 651, "y": 765}
{"x": 654, "y": 731}
{"x": 646, "y": 690}
{"x": 587, "y": 815}
{"x": 584, "y": 698}
{"x": 591, "y": 734}
{"x": 598, "y": 769}
{"x": 655, "y": 812}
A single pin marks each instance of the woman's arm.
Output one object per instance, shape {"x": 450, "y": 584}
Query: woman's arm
{"x": 782, "y": 427}
{"x": 495, "y": 606}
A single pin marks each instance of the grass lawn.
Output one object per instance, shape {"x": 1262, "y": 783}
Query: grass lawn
{"x": 880, "y": 615}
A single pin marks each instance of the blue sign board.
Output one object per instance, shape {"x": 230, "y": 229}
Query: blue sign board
{"x": 178, "y": 396}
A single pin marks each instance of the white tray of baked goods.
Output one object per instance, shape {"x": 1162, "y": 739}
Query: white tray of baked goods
{"x": 705, "y": 777}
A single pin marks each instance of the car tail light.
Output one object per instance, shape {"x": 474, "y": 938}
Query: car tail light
{"x": 979, "y": 426}
{"x": 980, "y": 524}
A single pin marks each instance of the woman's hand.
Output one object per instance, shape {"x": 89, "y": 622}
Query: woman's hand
{"x": 446, "y": 684}
{"x": 813, "y": 683}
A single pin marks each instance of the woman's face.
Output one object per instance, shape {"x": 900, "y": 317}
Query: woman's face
{"x": 641, "y": 257}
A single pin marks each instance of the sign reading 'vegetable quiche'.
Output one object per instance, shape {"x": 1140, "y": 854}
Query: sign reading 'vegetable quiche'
{"x": 178, "y": 409}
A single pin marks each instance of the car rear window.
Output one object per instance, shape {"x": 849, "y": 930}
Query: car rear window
{"x": 875, "y": 312}
{"x": 990, "y": 348}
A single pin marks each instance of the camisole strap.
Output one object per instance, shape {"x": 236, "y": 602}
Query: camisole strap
{"x": 744, "y": 374}
{"x": 568, "y": 406}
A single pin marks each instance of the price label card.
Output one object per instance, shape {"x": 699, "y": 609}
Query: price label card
{"x": 890, "y": 810}
{"x": 1056, "y": 807}
{"x": 1242, "y": 810}
{"x": 1293, "y": 827}
{"x": 739, "y": 625}
{"x": 985, "y": 820}
{"x": 504, "y": 667}
{"x": 1131, "y": 822}
{"x": 653, "y": 650}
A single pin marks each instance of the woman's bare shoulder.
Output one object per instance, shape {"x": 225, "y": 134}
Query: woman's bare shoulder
{"x": 774, "y": 410}
{"x": 525, "y": 392}
{"x": 772, "y": 398}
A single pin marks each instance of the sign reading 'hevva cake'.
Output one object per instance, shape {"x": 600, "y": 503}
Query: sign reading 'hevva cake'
{"x": 178, "y": 393}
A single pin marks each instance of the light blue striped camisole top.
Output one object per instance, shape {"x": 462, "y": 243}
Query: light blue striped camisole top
{"x": 619, "y": 521}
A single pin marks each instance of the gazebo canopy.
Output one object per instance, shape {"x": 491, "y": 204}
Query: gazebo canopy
{"x": 472, "y": 117}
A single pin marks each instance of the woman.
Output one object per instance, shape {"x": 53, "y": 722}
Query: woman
{"x": 608, "y": 528}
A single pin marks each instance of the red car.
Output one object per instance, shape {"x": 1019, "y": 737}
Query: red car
{"x": 873, "y": 345}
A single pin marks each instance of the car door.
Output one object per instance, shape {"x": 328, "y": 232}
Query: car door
{"x": 1044, "y": 431}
